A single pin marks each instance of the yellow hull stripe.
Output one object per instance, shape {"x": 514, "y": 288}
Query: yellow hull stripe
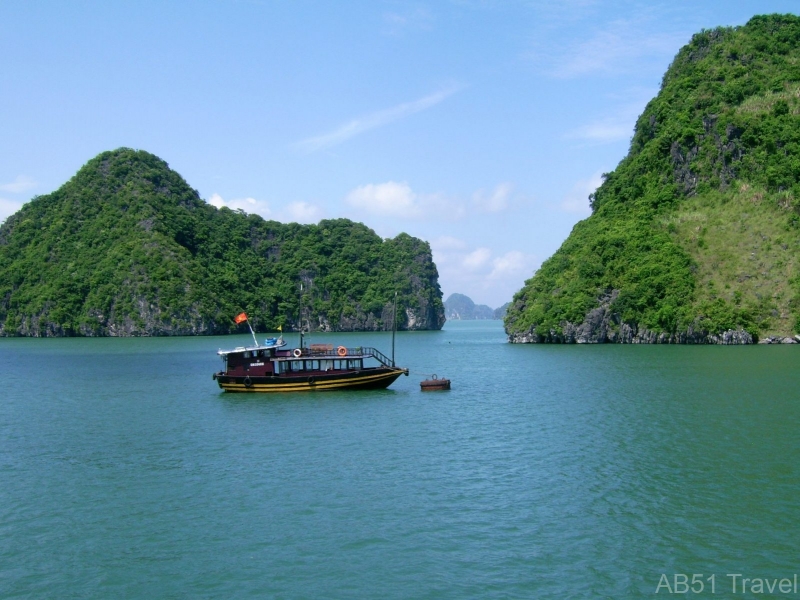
{"x": 304, "y": 386}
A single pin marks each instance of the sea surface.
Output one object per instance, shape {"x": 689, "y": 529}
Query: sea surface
{"x": 546, "y": 472}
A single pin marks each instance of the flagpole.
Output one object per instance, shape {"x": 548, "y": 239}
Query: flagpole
{"x": 253, "y": 333}
{"x": 394, "y": 325}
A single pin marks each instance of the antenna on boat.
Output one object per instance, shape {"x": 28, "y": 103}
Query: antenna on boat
{"x": 394, "y": 324}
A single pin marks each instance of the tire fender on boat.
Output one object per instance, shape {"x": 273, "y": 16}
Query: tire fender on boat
{"x": 247, "y": 382}
{"x": 341, "y": 351}
{"x": 311, "y": 381}
{"x": 297, "y": 352}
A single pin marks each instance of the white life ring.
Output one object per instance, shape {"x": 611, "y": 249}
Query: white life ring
{"x": 297, "y": 352}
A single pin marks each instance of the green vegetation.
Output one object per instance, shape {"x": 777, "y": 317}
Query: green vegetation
{"x": 126, "y": 247}
{"x": 699, "y": 226}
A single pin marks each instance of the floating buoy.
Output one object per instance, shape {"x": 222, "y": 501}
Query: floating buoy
{"x": 434, "y": 384}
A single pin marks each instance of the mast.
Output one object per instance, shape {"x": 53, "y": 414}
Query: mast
{"x": 300, "y": 315}
{"x": 394, "y": 324}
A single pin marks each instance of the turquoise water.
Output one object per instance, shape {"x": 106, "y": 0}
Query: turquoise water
{"x": 546, "y": 472}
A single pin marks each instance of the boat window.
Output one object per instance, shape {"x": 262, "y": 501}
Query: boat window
{"x": 247, "y": 354}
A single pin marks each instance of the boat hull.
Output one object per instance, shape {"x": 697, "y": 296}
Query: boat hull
{"x": 374, "y": 378}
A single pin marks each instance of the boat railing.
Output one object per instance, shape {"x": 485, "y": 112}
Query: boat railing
{"x": 328, "y": 351}
{"x": 377, "y": 355}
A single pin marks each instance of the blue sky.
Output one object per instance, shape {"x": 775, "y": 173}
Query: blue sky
{"x": 480, "y": 126}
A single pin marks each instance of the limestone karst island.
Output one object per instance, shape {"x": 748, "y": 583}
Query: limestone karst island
{"x": 127, "y": 248}
{"x": 695, "y": 236}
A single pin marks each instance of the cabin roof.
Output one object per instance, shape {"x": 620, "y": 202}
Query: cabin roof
{"x": 270, "y": 344}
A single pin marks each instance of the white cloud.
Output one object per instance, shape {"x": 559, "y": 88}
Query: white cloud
{"x": 216, "y": 200}
{"x": 510, "y": 264}
{"x": 478, "y": 273}
{"x": 386, "y": 199}
{"x": 617, "y": 46}
{"x": 301, "y": 212}
{"x": 8, "y": 208}
{"x": 21, "y": 184}
{"x": 619, "y": 125}
{"x": 248, "y": 205}
{"x": 604, "y": 131}
{"x": 617, "y": 50}
{"x": 577, "y": 199}
{"x": 476, "y": 259}
{"x": 496, "y": 201}
{"x": 374, "y": 120}
{"x": 294, "y": 212}
{"x": 398, "y": 201}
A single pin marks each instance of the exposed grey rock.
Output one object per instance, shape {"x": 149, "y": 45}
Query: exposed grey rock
{"x": 729, "y": 153}
{"x": 602, "y": 325}
{"x": 777, "y": 339}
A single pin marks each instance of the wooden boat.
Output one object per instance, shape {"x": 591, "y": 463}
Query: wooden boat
{"x": 270, "y": 367}
{"x": 434, "y": 383}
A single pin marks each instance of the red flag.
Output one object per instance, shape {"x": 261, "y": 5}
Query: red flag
{"x": 240, "y": 318}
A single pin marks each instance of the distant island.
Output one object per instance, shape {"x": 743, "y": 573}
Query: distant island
{"x": 695, "y": 236}
{"x": 127, "y": 248}
{"x": 459, "y": 307}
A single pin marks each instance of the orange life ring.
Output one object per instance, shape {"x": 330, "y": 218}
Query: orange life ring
{"x": 297, "y": 352}
{"x": 341, "y": 351}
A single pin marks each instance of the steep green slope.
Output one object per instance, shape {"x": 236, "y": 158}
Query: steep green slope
{"x": 126, "y": 247}
{"x": 697, "y": 231}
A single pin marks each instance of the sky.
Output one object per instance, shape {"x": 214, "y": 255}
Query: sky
{"x": 480, "y": 126}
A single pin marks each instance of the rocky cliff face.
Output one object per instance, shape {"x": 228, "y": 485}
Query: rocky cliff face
{"x": 603, "y": 325}
{"x": 425, "y": 318}
{"x": 149, "y": 321}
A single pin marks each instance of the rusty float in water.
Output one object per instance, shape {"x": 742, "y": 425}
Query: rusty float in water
{"x": 434, "y": 384}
